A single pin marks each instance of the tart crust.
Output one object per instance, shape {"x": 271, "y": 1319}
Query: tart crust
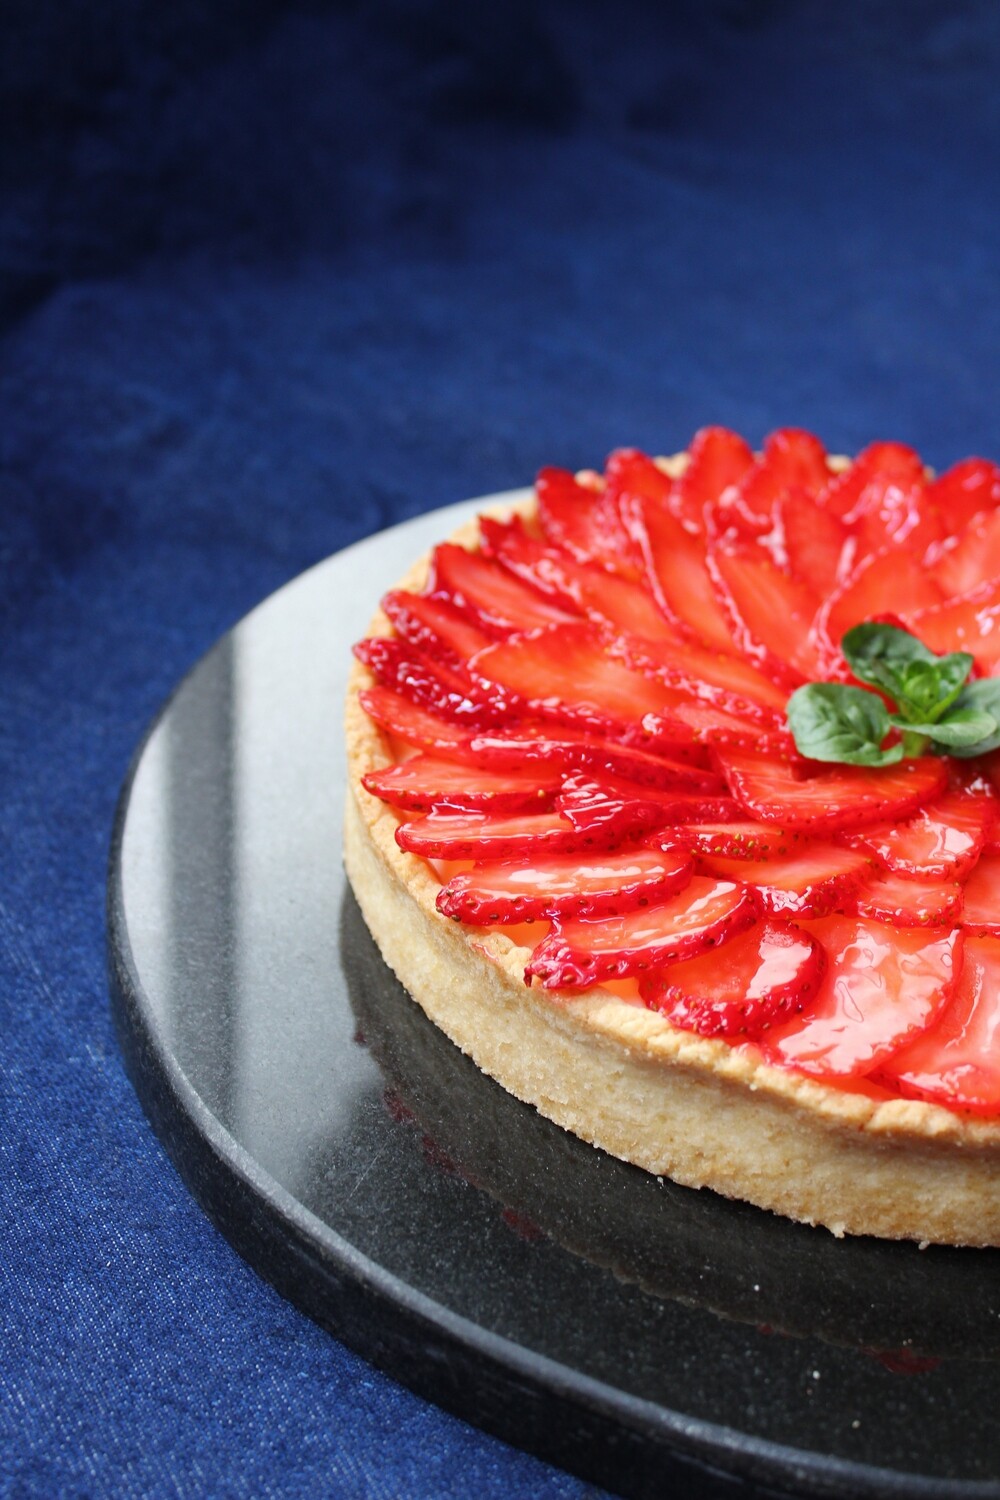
{"x": 697, "y": 1110}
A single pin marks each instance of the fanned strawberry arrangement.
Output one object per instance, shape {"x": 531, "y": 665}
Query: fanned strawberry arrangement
{"x": 726, "y": 730}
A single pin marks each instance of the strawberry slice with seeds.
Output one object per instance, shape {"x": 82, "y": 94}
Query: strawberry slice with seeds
{"x": 966, "y": 490}
{"x": 757, "y": 979}
{"x": 816, "y": 544}
{"x": 629, "y": 472}
{"x": 712, "y": 676}
{"x": 674, "y": 568}
{"x": 584, "y": 522}
{"x": 546, "y": 886}
{"x": 415, "y": 726}
{"x": 940, "y": 842}
{"x": 832, "y": 799}
{"x": 581, "y": 952}
{"x": 981, "y": 903}
{"x": 955, "y": 1061}
{"x": 808, "y": 882}
{"x": 487, "y": 593}
{"x": 961, "y": 563}
{"x": 569, "y": 751}
{"x": 880, "y": 471}
{"x": 426, "y": 781}
{"x": 891, "y": 582}
{"x": 447, "y": 691}
{"x": 487, "y": 836}
{"x": 969, "y": 623}
{"x": 769, "y": 612}
{"x": 688, "y": 720}
{"x": 794, "y": 462}
{"x": 909, "y": 903}
{"x": 739, "y": 840}
{"x": 882, "y": 987}
{"x": 626, "y": 808}
{"x": 718, "y": 460}
{"x": 435, "y": 627}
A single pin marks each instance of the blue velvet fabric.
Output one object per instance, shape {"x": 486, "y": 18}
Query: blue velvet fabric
{"x": 273, "y": 277}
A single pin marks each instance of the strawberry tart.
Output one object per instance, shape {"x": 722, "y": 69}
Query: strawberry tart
{"x": 673, "y": 799}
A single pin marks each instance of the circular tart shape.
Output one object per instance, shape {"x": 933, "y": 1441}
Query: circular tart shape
{"x": 860, "y": 1146}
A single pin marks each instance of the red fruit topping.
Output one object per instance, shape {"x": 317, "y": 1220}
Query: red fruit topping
{"x": 603, "y": 885}
{"x": 580, "y": 952}
{"x": 585, "y": 752}
{"x": 960, "y": 564}
{"x": 425, "y": 781}
{"x": 674, "y": 568}
{"x": 816, "y": 545}
{"x": 769, "y": 613}
{"x": 435, "y": 627}
{"x": 793, "y": 462}
{"x": 940, "y": 842}
{"x": 629, "y": 472}
{"x": 981, "y": 903}
{"x": 891, "y": 582}
{"x": 740, "y": 840}
{"x": 742, "y": 988}
{"x": 704, "y": 724}
{"x": 966, "y": 490}
{"x": 712, "y": 676}
{"x": 447, "y": 691}
{"x": 585, "y": 522}
{"x": 480, "y": 836}
{"x": 488, "y": 594}
{"x": 840, "y": 797}
{"x": 882, "y": 987}
{"x": 970, "y": 623}
{"x": 629, "y": 808}
{"x": 718, "y": 461}
{"x": 874, "y": 495}
{"x": 909, "y": 903}
{"x": 956, "y": 1061}
{"x": 408, "y": 722}
{"x": 808, "y": 882}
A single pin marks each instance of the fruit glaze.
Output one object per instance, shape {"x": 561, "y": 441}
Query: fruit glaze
{"x": 640, "y": 729}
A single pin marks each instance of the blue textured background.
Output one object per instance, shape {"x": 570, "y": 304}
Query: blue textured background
{"x": 272, "y": 277}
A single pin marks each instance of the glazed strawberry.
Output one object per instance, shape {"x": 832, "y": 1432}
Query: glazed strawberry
{"x": 810, "y": 881}
{"x": 967, "y": 489}
{"x": 955, "y": 1061}
{"x": 407, "y": 721}
{"x": 740, "y": 840}
{"x": 685, "y": 719}
{"x": 816, "y": 546}
{"x": 435, "y": 627}
{"x": 712, "y": 676}
{"x": 969, "y": 623}
{"x": 627, "y": 808}
{"x": 447, "y": 691}
{"x": 486, "y": 592}
{"x": 427, "y": 781}
{"x": 879, "y": 497}
{"x": 769, "y": 613}
{"x": 940, "y": 842}
{"x": 718, "y": 460}
{"x": 883, "y": 986}
{"x": 739, "y": 990}
{"x": 579, "y": 952}
{"x": 543, "y": 886}
{"x": 631, "y": 473}
{"x": 485, "y": 836}
{"x": 834, "y": 798}
{"x": 961, "y": 563}
{"x": 891, "y": 583}
{"x": 981, "y": 896}
{"x": 571, "y": 750}
{"x": 674, "y": 568}
{"x": 908, "y": 903}
{"x": 793, "y": 462}
{"x": 585, "y": 522}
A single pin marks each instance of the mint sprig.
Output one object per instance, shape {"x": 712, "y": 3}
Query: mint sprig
{"x": 936, "y": 708}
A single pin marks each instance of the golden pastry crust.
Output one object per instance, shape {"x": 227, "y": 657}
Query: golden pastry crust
{"x": 699, "y": 1111}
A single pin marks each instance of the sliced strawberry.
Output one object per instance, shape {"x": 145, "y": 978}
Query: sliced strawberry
{"x": 769, "y": 613}
{"x": 626, "y": 808}
{"x": 569, "y": 750}
{"x": 891, "y": 582}
{"x": 969, "y": 623}
{"x": 674, "y": 569}
{"x": 969, "y": 557}
{"x": 815, "y": 544}
{"x": 485, "y": 836}
{"x": 435, "y": 627}
{"x": 883, "y": 985}
{"x": 718, "y": 460}
{"x": 585, "y": 588}
{"x": 541, "y": 886}
{"x": 709, "y": 675}
{"x": 579, "y": 952}
{"x": 427, "y": 781}
{"x": 794, "y": 462}
{"x": 739, "y": 990}
{"x": 488, "y": 594}
{"x": 447, "y": 691}
{"x": 981, "y": 904}
{"x": 584, "y": 522}
{"x": 909, "y": 903}
{"x": 878, "y": 474}
{"x": 740, "y": 840}
{"x": 704, "y": 724}
{"x": 629, "y": 472}
{"x": 407, "y": 721}
{"x": 808, "y": 882}
{"x": 842, "y": 798}
{"x": 955, "y": 1061}
{"x": 966, "y": 490}
{"x": 940, "y": 842}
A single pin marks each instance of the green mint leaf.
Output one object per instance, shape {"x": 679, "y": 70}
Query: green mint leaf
{"x": 957, "y": 731}
{"x": 831, "y": 722}
{"x": 923, "y": 685}
{"x": 981, "y": 696}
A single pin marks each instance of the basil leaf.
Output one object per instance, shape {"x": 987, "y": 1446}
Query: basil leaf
{"x": 983, "y": 696}
{"x": 923, "y": 685}
{"x": 832, "y": 722}
{"x": 960, "y": 729}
